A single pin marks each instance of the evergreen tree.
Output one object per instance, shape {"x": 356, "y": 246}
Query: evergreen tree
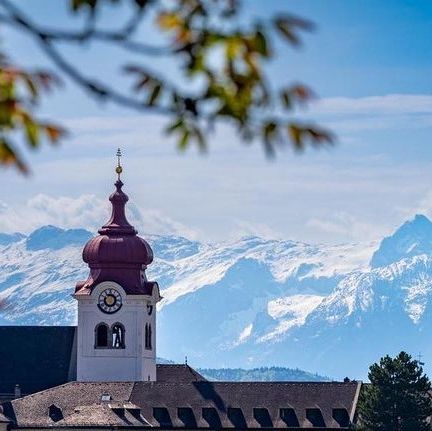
{"x": 398, "y": 397}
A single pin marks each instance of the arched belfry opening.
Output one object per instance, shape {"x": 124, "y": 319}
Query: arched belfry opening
{"x": 118, "y": 336}
{"x": 101, "y": 336}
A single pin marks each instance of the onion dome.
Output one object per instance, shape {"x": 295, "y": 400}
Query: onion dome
{"x": 118, "y": 254}
{"x": 118, "y": 242}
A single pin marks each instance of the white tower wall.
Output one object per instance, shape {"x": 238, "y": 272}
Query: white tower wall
{"x": 134, "y": 362}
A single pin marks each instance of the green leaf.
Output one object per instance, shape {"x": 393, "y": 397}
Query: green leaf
{"x": 288, "y": 26}
{"x": 270, "y": 130}
{"x": 32, "y": 132}
{"x": 79, "y": 4}
{"x": 184, "y": 140}
{"x": 286, "y": 99}
{"x": 269, "y": 136}
{"x": 154, "y": 94}
{"x": 31, "y": 86}
{"x": 200, "y": 139}
{"x": 232, "y": 47}
{"x": 174, "y": 126}
{"x": 261, "y": 43}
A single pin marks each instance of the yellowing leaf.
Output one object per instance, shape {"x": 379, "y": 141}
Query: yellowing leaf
{"x": 232, "y": 48}
{"x": 8, "y": 156}
{"x": 32, "y": 131}
{"x": 54, "y": 133}
{"x": 169, "y": 20}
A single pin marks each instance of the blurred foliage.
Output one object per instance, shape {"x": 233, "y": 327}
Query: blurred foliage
{"x": 223, "y": 64}
{"x": 19, "y": 92}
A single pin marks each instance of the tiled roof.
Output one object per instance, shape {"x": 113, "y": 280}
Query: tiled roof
{"x": 199, "y": 404}
{"x": 178, "y": 373}
{"x": 41, "y": 357}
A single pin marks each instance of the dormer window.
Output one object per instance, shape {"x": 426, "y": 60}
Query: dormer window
{"x": 55, "y": 413}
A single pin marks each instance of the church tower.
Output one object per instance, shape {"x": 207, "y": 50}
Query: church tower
{"x": 116, "y": 338}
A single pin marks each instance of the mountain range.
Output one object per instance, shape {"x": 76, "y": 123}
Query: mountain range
{"x": 251, "y": 302}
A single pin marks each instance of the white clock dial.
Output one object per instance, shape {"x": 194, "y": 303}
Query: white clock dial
{"x": 110, "y": 301}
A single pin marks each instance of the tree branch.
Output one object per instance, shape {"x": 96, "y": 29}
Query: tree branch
{"x": 120, "y": 37}
{"x": 95, "y": 88}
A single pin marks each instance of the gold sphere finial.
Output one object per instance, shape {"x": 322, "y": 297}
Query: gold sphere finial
{"x": 119, "y": 168}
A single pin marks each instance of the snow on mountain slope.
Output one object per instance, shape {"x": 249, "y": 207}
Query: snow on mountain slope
{"x": 368, "y": 315}
{"x": 284, "y": 259}
{"x": 250, "y": 302}
{"x": 414, "y": 237}
{"x": 38, "y": 272}
{"x": 291, "y": 311}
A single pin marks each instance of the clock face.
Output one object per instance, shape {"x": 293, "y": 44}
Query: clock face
{"x": 110, "y": 301}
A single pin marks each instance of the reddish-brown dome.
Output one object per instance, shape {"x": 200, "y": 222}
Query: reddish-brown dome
{"x": 105, "y": 249}
{"x": 118, "y": 253}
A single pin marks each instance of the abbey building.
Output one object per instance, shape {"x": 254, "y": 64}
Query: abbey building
{"x": 103, "y": 374}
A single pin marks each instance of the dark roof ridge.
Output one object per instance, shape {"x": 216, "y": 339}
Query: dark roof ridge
{"x": 175, "y": 365}
{"x": 278, "y": 382}
{"x": 73, "y": 383}
{"x": 41, "y": 392}
{"x": 38, "y": 326}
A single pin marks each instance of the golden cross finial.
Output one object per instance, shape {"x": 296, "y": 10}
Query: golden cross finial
{"x": 119, "y": 168}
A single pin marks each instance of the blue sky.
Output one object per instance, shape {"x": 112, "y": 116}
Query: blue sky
{"x": 371, "y": 64}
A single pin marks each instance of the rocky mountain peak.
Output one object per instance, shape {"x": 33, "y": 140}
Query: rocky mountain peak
{"x": 414, "y": 237}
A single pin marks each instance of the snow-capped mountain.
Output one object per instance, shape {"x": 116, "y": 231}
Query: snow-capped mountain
{"x": 413, "y": 238}
{"x": 250, "y": 302}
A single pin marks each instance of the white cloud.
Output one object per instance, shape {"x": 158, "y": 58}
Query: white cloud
{"x": 422, "y": 206}
{"x": 234, "y": 191}
{"x": 391, "y": 111}
{"x": 346, "y": 225}
{"x": 387, "y": 104}
{"x": 248, "y": 228}
{"x": 85, "y": 211}
{"x": 244, "y": 335}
